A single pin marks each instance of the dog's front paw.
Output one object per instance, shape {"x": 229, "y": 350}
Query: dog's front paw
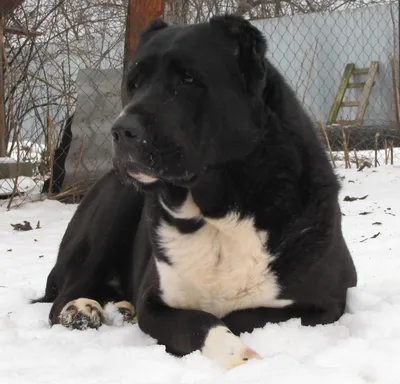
{"x": 127, "y": 311}
{"x": 82, "y": 314}
{"x": 226, "y": 349}
{"x": 119, "y": 313}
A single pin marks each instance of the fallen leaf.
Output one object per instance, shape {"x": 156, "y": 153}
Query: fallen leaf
{"x": 349, "y": 198}
{"x": 22, "y": 227}
{"x": 372, "y": 237}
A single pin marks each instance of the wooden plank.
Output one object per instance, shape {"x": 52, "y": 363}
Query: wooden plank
{"x": 396, "y": 94}
{"x": 355, "y": 85}
{"x": 346, "y": 122}
{"x": 366, "y": 92}
{"x": 361, "y": 71}
{"x": 3, "y": 147}
{"x": 140, "y": 13}
{"x": 340, "y": 93}
{"x": 12, "y": 170}
{"x": 350, "y": 104}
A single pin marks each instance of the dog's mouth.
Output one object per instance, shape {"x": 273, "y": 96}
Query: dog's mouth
{"x": 147, "y": 177}
{"x": 142, "y": 177}
{"x": 184, "y": 181}
{"x": 151, "y": 176}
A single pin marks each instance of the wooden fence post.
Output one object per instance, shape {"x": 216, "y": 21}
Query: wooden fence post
{"x": 3, "y": 146}
{"x": 6, "y": 8}
{"x": 140, "y": 13}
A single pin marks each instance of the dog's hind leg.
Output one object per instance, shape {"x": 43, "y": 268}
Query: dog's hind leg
{"x": 91, "y": 311}
{"x": 88, "y": 287}
{"x": 82, "y": 302}
{"x": 77, "y": 305}
{"x": 95, "y": 257}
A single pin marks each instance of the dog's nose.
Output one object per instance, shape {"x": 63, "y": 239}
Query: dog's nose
{"x": 126, "y": 128}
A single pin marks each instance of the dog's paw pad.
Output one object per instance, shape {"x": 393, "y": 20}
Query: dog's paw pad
{"x": 127, "y": 311}
{"x": 82, "y": 314}
{"x": 117, "y": 314}
{"x": 226, "y": 349}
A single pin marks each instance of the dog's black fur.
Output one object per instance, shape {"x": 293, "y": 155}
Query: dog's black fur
{"x": 210, "y": 115}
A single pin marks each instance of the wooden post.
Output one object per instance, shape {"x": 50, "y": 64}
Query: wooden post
{"x": 6, "y": 7}
{"x": 140, "y": 13}
{"x": 3, "y": 149}
{"x": 396, "y": 94}
{"x": 3, "y": 31}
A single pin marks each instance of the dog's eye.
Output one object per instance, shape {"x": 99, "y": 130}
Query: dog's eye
{"x": 187, "y": 78}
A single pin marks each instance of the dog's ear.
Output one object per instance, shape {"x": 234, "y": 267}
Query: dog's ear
{"x": 250, "y": 47}
{"x": 153, "y": 26}
{"x": 150, "y": 29}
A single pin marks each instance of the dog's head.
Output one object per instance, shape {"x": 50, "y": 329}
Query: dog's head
{"x": 195, "y": 100}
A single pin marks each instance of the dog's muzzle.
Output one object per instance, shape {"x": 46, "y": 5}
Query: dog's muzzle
{"x": 127, "y": 130}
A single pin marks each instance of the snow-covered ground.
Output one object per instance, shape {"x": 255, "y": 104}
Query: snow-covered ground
{"x": 363, "y": 347}
{"x": 28, "y": 187}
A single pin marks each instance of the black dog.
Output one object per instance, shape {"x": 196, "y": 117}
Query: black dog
{"x": 227, "y": 216}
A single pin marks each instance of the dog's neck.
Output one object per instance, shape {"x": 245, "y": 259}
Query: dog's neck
{"x": 219, "y": 190}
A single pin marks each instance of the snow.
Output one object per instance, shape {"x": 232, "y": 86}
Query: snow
{"x": 362, "y": 347}
{"x": 27, "y": 186}
{"x": 30, "y": 187}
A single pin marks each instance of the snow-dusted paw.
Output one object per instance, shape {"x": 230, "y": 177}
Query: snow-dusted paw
{"x": 82, "y": 314}
{"x": 120, "y": 313}
{"x": 226, "y": 349}
{"x": 125, "y": 308}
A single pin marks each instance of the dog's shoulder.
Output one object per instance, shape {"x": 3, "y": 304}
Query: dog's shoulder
{"x": 291, "y": 132}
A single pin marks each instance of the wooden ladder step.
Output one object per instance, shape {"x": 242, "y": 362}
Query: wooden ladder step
{"x": 360, "y": 71}
{"x": 350, "y": 104}
{"x": 346, "y": 122}
{"x": 355, "y": 85}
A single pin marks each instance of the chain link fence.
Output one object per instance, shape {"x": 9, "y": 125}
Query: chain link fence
{"x": 62, "y": 69}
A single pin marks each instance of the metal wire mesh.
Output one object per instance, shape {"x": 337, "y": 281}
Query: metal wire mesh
{"x": 62, "y": 72}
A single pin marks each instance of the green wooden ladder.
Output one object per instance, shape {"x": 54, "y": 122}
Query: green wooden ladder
{"x": 345, "y": 84}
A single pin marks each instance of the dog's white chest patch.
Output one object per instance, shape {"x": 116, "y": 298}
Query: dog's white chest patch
{"x": 222, "y": 267}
